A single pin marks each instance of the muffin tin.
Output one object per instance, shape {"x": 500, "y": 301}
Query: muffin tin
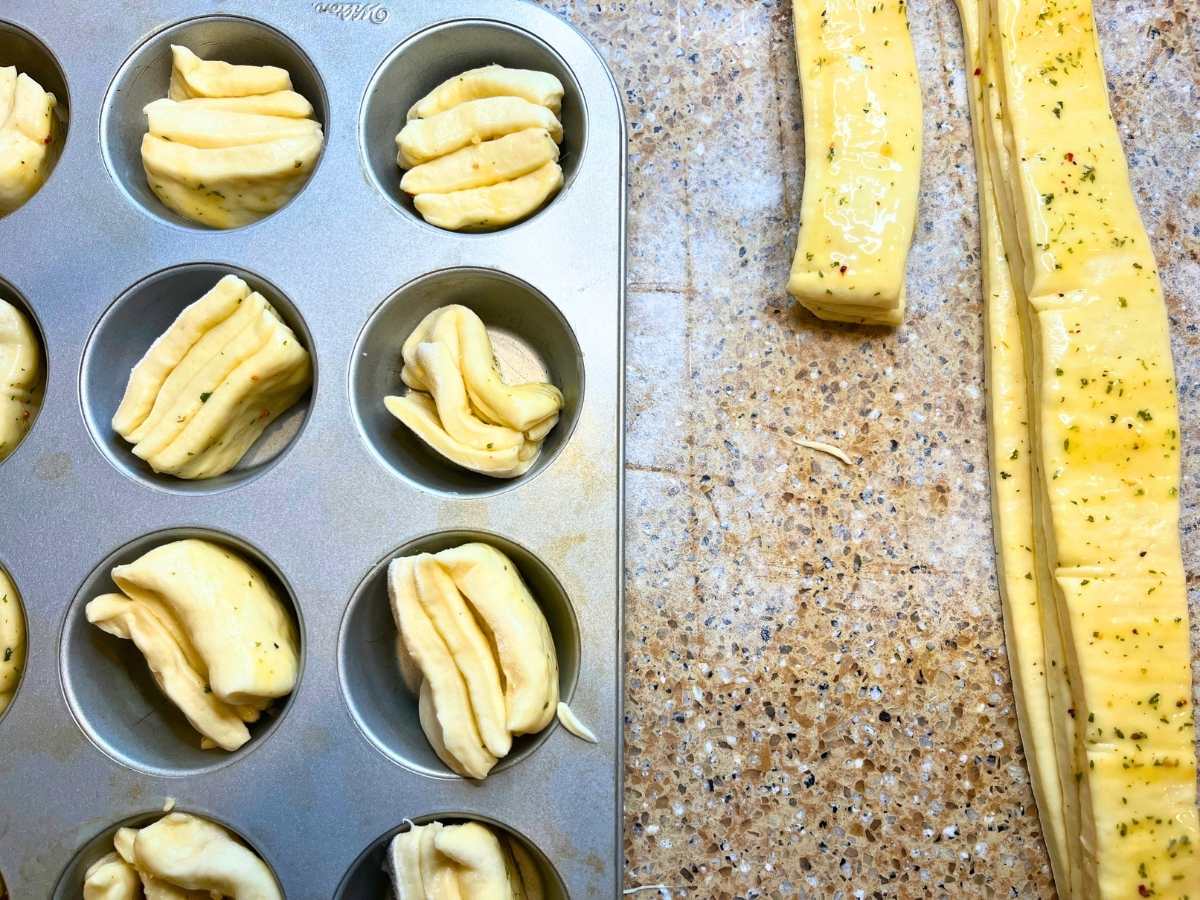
{"x": 335, "y": 488}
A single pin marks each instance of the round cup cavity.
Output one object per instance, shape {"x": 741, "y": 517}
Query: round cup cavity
{"x": 14, "y": 600}
{"x": 146, "y": 74}
{"x": 70, "y": 883}
{"x": 384, "y": 710}
{"x": 112, "y": 694}
{"x": 13, "y": 296}
{"x": 123, "y": 335}
{"x": 520, "y": 320}
{"x": 368, "y": 880}
{"x": 22, "y": 49}
{"x": 425, "y": 60}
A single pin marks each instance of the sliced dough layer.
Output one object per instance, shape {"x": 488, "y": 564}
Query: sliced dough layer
{"x": 28, "y": 137}
{"x": 459, "y": 403}
{"x": 12, "y": 640}
{"x": 211, "y": 384}
{"x": 480, "y": 649}
{"x": 216, "y": 636}
{"x": 230, "y": 144}
{"x": 1026, "y": 606}
{"x": 492, "y": 206}
{"x": 20, "y": 376}
{"x": 862, "y": 151}
{"x": 470, "y": 861}
{"x": 1105, "y": 456}
{"x": 180, "y": 857}
{"x": 481, "y": 150}
{"x": 541, "y": 88}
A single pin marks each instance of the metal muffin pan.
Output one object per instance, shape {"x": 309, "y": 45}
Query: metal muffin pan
{"x": 333, "y": 490}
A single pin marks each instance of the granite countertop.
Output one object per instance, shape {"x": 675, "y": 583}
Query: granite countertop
{"x": 817, "y": 694}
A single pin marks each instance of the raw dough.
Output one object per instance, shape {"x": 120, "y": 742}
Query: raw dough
{"x": 470, "y": 861}
{"x": 229, "y": 144}
{"x": 211, "y": 384}
{"x": 20, "y": 376}
{"x": 217, "y": 637}
{"x": 460, "y": 405}
{"x": 28, "y": 137}
{"x": 12, "y": 640}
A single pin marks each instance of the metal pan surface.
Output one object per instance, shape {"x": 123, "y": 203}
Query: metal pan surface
{"x": 333, "y": 490}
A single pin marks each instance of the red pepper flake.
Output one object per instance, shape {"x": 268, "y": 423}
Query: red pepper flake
{"x": 264, "y": 413}
{"x": 1071, "y": 712}
{"x": 1143, "y": 891}
{"x": 842, "y": 270}
{"x": 978, "y": 71}
{"x": 1070, "y": 157}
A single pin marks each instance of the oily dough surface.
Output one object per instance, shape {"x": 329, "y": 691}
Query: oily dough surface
{"x": 12, "y": 640}
{"x": 481, "y": 149}
{"x": 179, "y": 857}
{"x": 459, "y": 403}
{"x": 479, "y": 650}
{"x": 211, "y": 383}
{"x": 28, "y": 137}
{"x": 20, "y": 376}
{"x": 218, "y": 639}
{"x": 229, "y": 144}
{"x": 468, "y": 860}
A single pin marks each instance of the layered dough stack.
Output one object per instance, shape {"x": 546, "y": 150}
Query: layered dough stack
{"x": 459, "y": 403}
{"x": 471, "y": 861}
{"x": 217, "y": 637}
{"x": 20, "y": 376}
{"x": 179, "y": 857}
{"x": 229, "y": 144}
{"x": 481, "y": 149}
{"x": 28, "y": 132}
{"x": 476, "y": 649}
{"x": 12, "y": 640}
{"x": 1085, "y": 460}
{"x": 210, "y": 385}
{"x": 862, "y": 159}
{"x": 28, "y": 137}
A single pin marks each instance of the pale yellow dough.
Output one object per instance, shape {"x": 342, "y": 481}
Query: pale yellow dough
{"x": 862, "y": 151}
{"x": 1103, "y": 440}
{"x": 20, "y": 376}
{"x": 211, "y": 384}
{"x": 481, "y": 149}
{"x": 470, "y": 861}
{"x": 12, "y": 640}
{"x": 28, "y": 137}
{"x": 459, "y": 403}
{"x": 215, "y": 634}
{"x": 179, "y": 857}
{"x": 230, "y": 144}
{"x": 482, "y": 649}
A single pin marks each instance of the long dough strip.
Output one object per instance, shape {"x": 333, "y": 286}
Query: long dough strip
{"x": 1107, "y": 455}
{"x": 1012, "y": 485}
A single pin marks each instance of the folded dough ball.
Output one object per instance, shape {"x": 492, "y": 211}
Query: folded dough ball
{"x": 217, "y": 637}
{"x": 481, "y": 149}
{"x": 12, "y": 640}
{"x": 471, "y": 861}
{"x": 229, "y": 144}
{"x": 28, "y": 137}
{"x": 459, "y": 403}
{"x": 20, "y": 375}
{"x": 482, "y": 649}
{"x": 180, "y": 857}
{"x": 211, "y": 384}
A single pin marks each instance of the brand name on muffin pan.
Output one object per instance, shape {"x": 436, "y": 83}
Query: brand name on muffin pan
{"x": 375, "y": 13}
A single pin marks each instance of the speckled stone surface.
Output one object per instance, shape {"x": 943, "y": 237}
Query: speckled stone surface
{"x": 818, "y": 701}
